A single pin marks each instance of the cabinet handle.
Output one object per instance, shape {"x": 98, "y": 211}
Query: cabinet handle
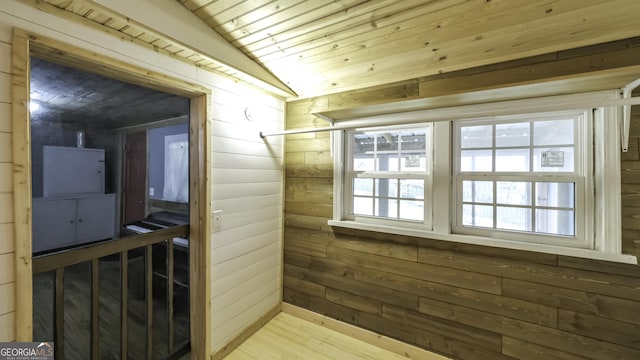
{"x": 79, "y": 220}
{"x": 71, "y": 222}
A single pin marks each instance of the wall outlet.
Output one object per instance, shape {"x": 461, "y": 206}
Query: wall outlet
{"x": 217, "y": 219}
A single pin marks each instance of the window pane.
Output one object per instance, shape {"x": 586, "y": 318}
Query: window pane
{"x": 512, "y": 218}
{"x": 412, "y": 210}
{"x": 363, "y": 187}
{"x": 558, "y": 222}
{"x": 476, "y": 160}
{"x": 555, "y": 132}
{"x": 477, "y": 191}
{"x": 513, "y": 193}
{"x": 413, "y": 150}
{"x": 477, "y": 215}
{"x": 516, "y": 134}
{"x": 412, "y": 189}
{"x": 387, "y": 188}
{"x": 387, "y": 162}
{"x": 555, "y": 194}
{"x": 362, "y": 206}
{"x": 512, "y": 160}
{"x": 386, "y": 208}
{"x": 363, "y": 162}
{"x": 414, "y": 162}
{"x": 553, "y": 159}
{"x": 413, "y": 141}
{"x": 387, "y": 141}
{"x": 476, "y": 136}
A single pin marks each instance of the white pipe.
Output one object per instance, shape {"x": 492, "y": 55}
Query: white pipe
{"x": 460, "y": 112}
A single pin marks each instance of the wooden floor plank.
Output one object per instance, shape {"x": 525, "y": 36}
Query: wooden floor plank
{"x": 290, "y": 337}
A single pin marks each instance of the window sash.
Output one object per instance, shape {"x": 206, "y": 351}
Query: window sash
{"x": 581, "y": 237}
{"x": 350, "y": 196}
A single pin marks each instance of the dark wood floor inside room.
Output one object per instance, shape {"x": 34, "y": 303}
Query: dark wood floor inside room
{"x": 77, "y": 316}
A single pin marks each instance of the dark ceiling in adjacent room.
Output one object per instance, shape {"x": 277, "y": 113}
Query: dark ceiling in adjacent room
{"x": 85, "y": 99}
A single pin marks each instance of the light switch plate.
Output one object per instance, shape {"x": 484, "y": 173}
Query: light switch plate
{"x": 217, "y": 219}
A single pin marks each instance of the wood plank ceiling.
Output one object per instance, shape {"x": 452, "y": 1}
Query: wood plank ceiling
{"x": 320, "y": 47}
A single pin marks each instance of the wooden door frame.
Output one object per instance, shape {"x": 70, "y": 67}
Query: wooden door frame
{"x": 26, "y": 44}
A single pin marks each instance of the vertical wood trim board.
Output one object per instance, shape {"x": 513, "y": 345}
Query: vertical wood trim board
{"x": 22, "y": 185}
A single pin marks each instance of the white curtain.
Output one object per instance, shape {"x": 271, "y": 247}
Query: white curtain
{"x": 176, "y": 170}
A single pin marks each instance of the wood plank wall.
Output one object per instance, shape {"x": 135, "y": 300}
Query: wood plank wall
{"x": 246, "y": 175}
{"x": 7, "y": 239}
{"x": 464, "y": 301}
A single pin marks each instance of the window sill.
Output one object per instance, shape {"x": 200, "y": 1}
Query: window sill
{"x": 478, "y": 240}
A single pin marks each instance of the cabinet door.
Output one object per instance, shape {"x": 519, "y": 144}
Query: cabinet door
{"x": 96, "y": 218}
{"x": 70, "y": 171}
{"x": 54, "y": 223}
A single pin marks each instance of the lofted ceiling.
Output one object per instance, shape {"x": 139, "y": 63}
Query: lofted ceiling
{"x": 318, "y": 47}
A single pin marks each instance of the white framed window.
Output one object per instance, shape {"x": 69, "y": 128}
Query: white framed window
{"x": 388, "y": 175}
{"x": 525, "y": 178}
{"x": 538, "y": 174}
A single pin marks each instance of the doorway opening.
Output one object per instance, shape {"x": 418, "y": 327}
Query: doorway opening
{"x": 124, "y": 164}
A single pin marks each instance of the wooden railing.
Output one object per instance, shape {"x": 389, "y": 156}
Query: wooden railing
{"x": 60, "y": 260}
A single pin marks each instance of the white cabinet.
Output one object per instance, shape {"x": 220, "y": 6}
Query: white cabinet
{"x": 60, "y": 222}
{"x": 72, "y": 171}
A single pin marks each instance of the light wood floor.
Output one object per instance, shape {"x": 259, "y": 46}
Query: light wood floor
{"x": 289, "y": 337}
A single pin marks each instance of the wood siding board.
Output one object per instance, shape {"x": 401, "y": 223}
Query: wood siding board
{"x": 5, "y": 117}
{"x": 453, "y": 331}
{"x": 383, "y": 248}
{"x": 444, "y": 275}
{"x": 315, "y": 171}
{"x": 526, "y": 73}
{"x": 490, "y": 251}
{"x": 528, "y": 311}
{"x": 6, "y": 178}
{"x": 7, "y": 293}
{"x": 550, "y": 295}
{"x": 8, "y": 322}
{"x": 313, "y": 191}
{"x": 306, "y": 248}
{"x": 599, "y": 266}
{"x": 620, "y": 286}
{"x": 612, "y": 331}
{"x": 359, "y": 303}
{"x": 223, "y": 300}
{"x": 7, "y": 239}
{"x": 226, "y": 282}
{"x": 308, "y": 208}
{"x": 521, "y": 349}
{"x": 557, "y": 339}
{"x": 305, "y": 287}
{"x": 306, "y": 222}
{"x": 345, "y": 282}
{"x": 7, "y": 268}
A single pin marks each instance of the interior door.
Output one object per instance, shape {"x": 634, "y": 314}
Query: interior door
{"x": 135, "y": 182}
